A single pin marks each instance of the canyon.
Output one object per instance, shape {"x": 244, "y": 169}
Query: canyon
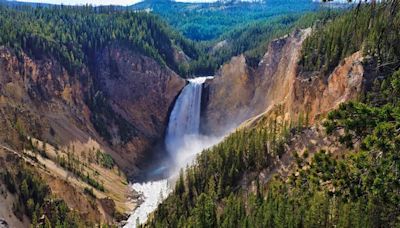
{"x": 50, "y": 104}
{"x": 141, "y": 93}
{"x": 111, "y": 117}
{"x": 133, "y": 100}
{"x": 242, "y": 96}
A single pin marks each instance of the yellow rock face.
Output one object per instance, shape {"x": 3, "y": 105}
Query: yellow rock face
{"x": 276, "y": 87}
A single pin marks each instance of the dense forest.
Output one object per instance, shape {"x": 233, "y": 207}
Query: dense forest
{"x": 73, "y": 35}
{"x": 359, "y": 188}
{"x": 242, "y": 27}
{"x": 209, "y": 21}
{"x": 252, "y": 39}
{"x": 369, "y": 28}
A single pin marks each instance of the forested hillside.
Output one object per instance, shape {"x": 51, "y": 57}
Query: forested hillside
{"x": 369, "y": 28}
{"x": 252, "y": 39}
{"x": 208, "y": 21}
{"x": 73, "y": 35}
{"x": 358, "y": 186}
{"x": 80, "y": 80}
{"x": 228, "y": 29}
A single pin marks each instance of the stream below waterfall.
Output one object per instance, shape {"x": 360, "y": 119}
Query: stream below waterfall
{"x": 183, "y": 142}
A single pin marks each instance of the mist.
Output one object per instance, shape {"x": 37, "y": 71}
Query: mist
{"x": 183, "y": 142}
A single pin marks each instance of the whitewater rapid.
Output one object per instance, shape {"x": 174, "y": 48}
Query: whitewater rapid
{"x": 152, "y": 193}
{"x": 183, "y": 142}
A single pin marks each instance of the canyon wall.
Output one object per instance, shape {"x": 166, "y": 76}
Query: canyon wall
{"x": 133, "y": 90}
{"x": 277, "y": 85}
{"x": 119, "y": 108}
{"x": 140, "y": 91}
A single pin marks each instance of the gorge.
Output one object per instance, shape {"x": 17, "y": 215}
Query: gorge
{"x": 207, "y": 110}
{"x": 104, "y": 124}
{"x": 183, "y": 141}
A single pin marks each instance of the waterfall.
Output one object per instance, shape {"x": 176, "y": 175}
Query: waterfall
{"x": 184, "y": 121}
{"x": 183, "y": 141}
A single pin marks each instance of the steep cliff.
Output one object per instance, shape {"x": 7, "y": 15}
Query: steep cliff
{"x": 282, "y": 168}
{"x": 133, "y": 90}
{"x": 121, "y": 109}
{"x": 139, "y": 91}
{"x": 226, "y": 97}
{"x": 239, "y": 92}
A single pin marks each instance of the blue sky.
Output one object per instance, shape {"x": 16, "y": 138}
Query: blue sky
{"x": 100, "y": 2}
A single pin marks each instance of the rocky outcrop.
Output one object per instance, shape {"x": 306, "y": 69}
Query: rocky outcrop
{"x": 276, "y": 86}
{"x": 315, "y": 98}
{"x": 140, "y": 91}
{"x": 226, "y": 97}
{"x": 35, "y": 94}
{"x": 3, "y": 223}
{"x": 127, "y": 98}
{"x": 52, "y": 105}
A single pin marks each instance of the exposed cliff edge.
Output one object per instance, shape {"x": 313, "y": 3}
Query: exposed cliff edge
{"x": 55, "y": 107}
{"x": 120, "y": 108}
{"x": 278, "y": 86}
{"x": 141, "y": 91}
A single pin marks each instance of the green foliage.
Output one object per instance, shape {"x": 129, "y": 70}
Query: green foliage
{"x": 215, "y": 176}
{"x": 209, "y": 21}
{"x": 72, "y": 164}
{"x": 29, "y": 187}
{"x": 35, "y": 199}
{"x": 104, "y": 159}
{"x": 242, "y": 28}
{"x": 73, "y": 35}
{"x": 252, "y": 39}
{"x": 361, "y": 188}
{"x": 368, "y": 28}
{"x": 92, "y": 182}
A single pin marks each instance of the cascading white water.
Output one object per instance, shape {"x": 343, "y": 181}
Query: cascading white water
{"x": 183, "y": 141}
{"x": 185, "y": 117}
{"x": 184, "y": 124}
